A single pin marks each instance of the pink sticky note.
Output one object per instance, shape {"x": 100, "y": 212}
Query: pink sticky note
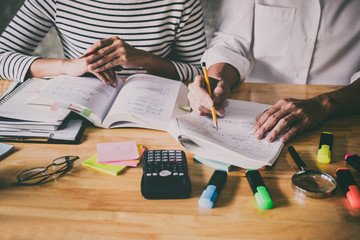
{"x": 55, "y": 106}
{"x": 124, "y": 163}
{"x": 130, "y": 163}
{"x": 117, "y": 151}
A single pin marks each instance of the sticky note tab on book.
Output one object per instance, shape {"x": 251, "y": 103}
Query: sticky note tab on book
{"x": 105, "y": 168}
{"x": 117, "y": 151}
{"x": 86, "y": 112}
{"x": 55, "y": 106}
{"x": 65, "y": 105}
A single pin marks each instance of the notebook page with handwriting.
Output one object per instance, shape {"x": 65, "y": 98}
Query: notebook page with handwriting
{"x": 233, "y": 140}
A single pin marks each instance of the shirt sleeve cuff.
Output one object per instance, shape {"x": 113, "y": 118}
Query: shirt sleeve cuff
{"x": 15, "y": 66}
{"x": 216, "y": 55}
{"x": 185, "y": 71}
{"x": 26, "y": 68}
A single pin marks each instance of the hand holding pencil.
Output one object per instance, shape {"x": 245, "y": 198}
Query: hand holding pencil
{"x": 204, "y": 101}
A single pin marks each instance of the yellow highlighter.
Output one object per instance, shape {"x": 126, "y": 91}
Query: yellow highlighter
{"x": 209, "y": 90}
{"x": 325, "y": 147}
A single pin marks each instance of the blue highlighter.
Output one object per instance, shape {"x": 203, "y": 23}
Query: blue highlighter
{"x": 213, "y": 189}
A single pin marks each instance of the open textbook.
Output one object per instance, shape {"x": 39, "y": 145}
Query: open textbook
{"x": 16, "y": 113}
{"x": 143, "y": 100}
{"x": 233, "y": 143}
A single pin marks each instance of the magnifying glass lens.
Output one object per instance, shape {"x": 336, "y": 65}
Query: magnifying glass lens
{"x": 314, "y": 182}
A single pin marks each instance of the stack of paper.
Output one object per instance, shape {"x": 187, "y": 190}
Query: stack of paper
{"x": 113, "y": 158}
{"x": 17, "y": 114}
{"x": 22, "y": 121}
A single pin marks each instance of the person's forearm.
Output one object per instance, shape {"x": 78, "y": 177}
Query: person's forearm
{"x": 41, "y": 68}
{"x": 160, "y": 66}
{"x": 224, "y": 72}
{"x": 46, "y": 67}
{"x": 344, "y": 101}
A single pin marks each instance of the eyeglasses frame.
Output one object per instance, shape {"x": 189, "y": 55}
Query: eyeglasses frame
{"x": 67, "y": 166}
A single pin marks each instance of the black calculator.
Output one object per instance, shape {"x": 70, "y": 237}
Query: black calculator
{"x": 165, "y": 175}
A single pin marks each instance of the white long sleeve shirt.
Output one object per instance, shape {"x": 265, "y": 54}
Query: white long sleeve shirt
{"x": 282, "y": 41}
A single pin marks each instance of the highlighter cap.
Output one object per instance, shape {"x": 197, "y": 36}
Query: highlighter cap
{"x": 353, "y": 195}
{"x": 257, "y": 185}
{"x": 353, "y": 160}
{"x": 210, "y": 194}
{"x": 208, "y": 197}
{"x": 325, "y": 147}
{"x": 263, "y": 199}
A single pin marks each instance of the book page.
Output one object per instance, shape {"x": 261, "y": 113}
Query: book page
{"x": 146, "y": 100}
{"x": 14, "y": 105}
{"x": 84, "y": 92}
{"x": 234, "y": 136}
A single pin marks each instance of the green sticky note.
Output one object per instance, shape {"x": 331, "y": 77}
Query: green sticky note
{"x": 184, "y": 107}
{"x": 86, "y": 112}
{"x": 105, "y": 168}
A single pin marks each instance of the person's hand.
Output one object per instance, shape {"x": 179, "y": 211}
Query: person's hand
{"x": 112, "y": 52}
{"x": 290, "y": 117}
{"x": 200, "y": 100}
{"x": 78, "y": 67}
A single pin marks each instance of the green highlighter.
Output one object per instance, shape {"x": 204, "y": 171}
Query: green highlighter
{"x": 257, "y": 185}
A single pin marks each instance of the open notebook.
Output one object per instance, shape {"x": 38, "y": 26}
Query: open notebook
{"x": 233, "y": 143}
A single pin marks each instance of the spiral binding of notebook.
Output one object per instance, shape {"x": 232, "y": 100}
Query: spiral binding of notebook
{"x": 15, "y": 91}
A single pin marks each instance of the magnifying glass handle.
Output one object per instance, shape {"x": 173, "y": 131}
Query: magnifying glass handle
{"x": 299, "y": 162}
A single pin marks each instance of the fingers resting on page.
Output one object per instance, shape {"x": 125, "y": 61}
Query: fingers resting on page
{"x": 200, "y": 100}
{"x": 290, "y": 117}
{"x": 108, "y": 77}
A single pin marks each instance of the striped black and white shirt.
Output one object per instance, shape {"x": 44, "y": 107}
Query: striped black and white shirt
{"x": 172, "y": 29}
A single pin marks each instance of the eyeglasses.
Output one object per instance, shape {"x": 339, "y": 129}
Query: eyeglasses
{"x": 39, "y": 175}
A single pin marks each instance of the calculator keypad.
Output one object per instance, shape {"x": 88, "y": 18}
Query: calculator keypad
{"x": 165, "y": 163}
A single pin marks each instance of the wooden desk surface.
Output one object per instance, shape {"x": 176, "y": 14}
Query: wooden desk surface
{"x": 86, "y": 204}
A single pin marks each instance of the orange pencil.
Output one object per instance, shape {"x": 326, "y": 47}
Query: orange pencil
{"x": 209, "y": 90}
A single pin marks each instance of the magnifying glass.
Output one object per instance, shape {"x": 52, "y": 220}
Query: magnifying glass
{"x": 314, "y": 184}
